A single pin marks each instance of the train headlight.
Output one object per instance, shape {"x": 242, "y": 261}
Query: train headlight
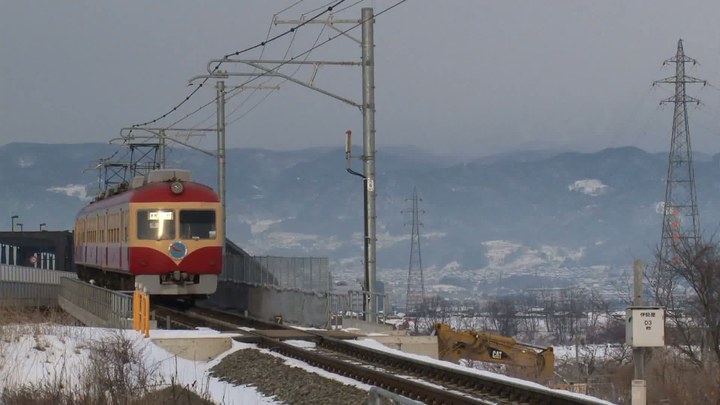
{"x": 177, "y": 187}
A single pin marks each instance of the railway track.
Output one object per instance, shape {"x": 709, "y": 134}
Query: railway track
{"x": 427, "y": 382}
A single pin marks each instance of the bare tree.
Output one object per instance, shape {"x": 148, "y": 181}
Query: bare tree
{"x": 502, "y": 313}
{"x": 688, "y": 284}
{"x": 434, "y": 310}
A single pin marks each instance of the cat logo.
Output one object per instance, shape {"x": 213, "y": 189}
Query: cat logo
{"x": 496, "y": 354}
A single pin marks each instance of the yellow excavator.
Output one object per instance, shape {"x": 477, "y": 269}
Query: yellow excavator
{"x": 526, "y": 361}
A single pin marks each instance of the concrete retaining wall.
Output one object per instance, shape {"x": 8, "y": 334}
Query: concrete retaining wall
{"x": 265, "y": 302}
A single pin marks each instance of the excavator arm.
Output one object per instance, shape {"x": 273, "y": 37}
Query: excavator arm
{"x": 531, "y": 362}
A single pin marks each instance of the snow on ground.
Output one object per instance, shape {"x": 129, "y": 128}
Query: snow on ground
{"x": 373, "y": 344}
{"x": 58, "y": 354}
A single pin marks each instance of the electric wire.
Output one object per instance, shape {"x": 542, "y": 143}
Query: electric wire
{"x": 238, "y": 90}
{"x": 285, "y": 62}
{"x": 315, "y": 9}
{"x": 255, "y": 90}
{"x": 236, "y": 53}
{"x": 346, "y": 7}
{"x": 265, "y": 97}
{"x": 330, "y": 39}
{"x": 317, "y": 45}
{"x": 262, "y": 52}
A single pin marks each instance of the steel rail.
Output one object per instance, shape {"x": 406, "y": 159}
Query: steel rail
{"x": 486, "y": 389}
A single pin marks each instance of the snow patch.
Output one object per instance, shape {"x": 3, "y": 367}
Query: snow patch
{"x": 454, "y": 265}
{"x": 512, "y": 256}
{"x": 660, "y": 207}
{"x": 72, "y": 190}
{"x": 591, "y": 187}
{"x": 25, "y": 163}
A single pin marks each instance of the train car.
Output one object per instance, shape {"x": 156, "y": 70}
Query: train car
{"x": 162, "y": 232}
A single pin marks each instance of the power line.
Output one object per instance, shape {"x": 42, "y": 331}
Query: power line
{"x": 304, "y": 54}
{"x": 347, "y": 7}
{"x": 274, "y": 69}
{"x": 243, "y": 115}
{"x": 331, "y": 38}
{"x": 236, "y": 53}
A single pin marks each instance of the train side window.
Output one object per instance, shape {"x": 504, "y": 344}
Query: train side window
{"x": 197, "y": 224}
{"x": 156, "y": 224}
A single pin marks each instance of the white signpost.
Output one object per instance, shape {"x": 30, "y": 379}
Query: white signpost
{"x": 645, "y": 326}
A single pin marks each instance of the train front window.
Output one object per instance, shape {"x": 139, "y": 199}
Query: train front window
{"x": 197, "y": 224}
{"x": 156, "y": 224}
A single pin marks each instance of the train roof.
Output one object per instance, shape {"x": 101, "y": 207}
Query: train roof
{"x": 156, "y": 192}
{"x": 161, "y": 191}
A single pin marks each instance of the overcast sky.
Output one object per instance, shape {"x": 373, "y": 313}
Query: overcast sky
{"x": 472, "y": 76}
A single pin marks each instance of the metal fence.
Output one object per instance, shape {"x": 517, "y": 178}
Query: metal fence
{"x": 351, "y": 304}
{"x": 30, "y": 287}
{"x": 8, "y": 254}
{"x": 299, "y": 273}
{"x": 31, "y": 275}
{"x": 14, "y": 294}
{"x": 111, "y": 308}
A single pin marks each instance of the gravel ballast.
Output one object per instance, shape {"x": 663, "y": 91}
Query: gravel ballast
{"x": 291, "y": 385}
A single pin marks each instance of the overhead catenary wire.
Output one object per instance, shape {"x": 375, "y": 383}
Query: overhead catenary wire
{"x": 328, "y": 9}
{"x": 347, "y": 7}
{"x": 302, "y": 54}
{"x": 238, "y": 90}
{"x": 312, "y": 48}
{"x": 268, "y": 40}
{"x": 276, "y": 68}
{"x": 266, "y": 96}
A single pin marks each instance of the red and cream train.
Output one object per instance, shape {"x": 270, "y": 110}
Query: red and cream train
{"x": 162, "y": 232}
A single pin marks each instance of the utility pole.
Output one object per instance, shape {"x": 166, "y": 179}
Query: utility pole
{"x": 680, "y": 213}
{"x": 368, "y": 109}
{"x": 416, "y": 281}
{"x": 367, "y": 106}
{"x": 638, "y": 352}
{"x": 220, "y": 86}
{"x": 220, "y": 130}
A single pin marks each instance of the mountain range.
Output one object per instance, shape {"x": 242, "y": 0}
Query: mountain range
{"x": 530, "y": 209}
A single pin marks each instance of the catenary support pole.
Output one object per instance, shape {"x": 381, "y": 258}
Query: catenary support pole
{"x": 638, "y": 352}
{"x": 221, "y": 156}
{"x": 368, "y": 74}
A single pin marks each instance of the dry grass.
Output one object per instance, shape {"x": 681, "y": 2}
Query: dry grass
{"x": 115, "y": 370}
{"x": 670, "y": 378}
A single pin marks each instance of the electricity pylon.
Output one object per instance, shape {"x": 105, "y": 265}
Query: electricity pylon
{"x": 416, "y": 282}
{"x": 680, "y": 213}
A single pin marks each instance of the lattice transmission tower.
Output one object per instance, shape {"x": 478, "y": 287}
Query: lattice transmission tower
{"x": 680, "y": 214}
{"x": 416, "y": 281}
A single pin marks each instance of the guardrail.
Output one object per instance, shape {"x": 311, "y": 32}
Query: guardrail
{"x": 30, "y": 287}
{"x": 96, "y": 306}
{"x": 20, "y": 274}
{"x": 300, "y": 273}
{"x": 353, "y": 305}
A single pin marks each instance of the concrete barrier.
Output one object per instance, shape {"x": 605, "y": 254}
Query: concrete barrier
{"x": 366, "y": 327}
{"x": 195, "y": 348}
{"x": 422, "y": 345}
